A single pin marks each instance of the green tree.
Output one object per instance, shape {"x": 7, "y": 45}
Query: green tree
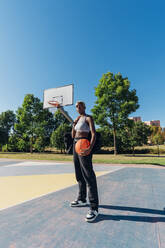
{"x": 157, "y": 140}
{"x": 59, "y": 119}
{"x": 22, "y": 145}
{"x": 7, "y": 120}
{"x": 163, "y": 133}
{"x": 57, "y": 137}
{"x": 13, "y": 142}
{"x": 39, "y": 144}
{"x": 3, "y": 136}
{"x": 33, "y": 123}
{"x": 115, "y": 101}
{"x": 135, "y": 134}
{"x": 106, "y": 136}
{"x": 157, "y": 135}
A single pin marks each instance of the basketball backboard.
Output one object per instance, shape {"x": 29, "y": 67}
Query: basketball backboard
{"x": 61, "y": 95}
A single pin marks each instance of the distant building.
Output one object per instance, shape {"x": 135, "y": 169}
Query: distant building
{"x": 135, "y": 119}
{"x": 155, "y": 123}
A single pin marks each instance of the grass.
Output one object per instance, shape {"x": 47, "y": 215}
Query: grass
{"x": 36, "y": 156}
{"x": 127, "y": 159}
{"x": 97, "y": 158}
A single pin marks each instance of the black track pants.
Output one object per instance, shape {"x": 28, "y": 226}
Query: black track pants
{"x": 85, "y": 177}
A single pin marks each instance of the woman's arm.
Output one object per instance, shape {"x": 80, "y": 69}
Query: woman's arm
{"x": 90, "y": 121}
{"x": 73, "y": 132}
{"x": 74, "y": 124}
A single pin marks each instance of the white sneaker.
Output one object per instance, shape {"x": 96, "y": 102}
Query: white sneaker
{"x": 77, "y": 203}
{"x": 91, "y": 215}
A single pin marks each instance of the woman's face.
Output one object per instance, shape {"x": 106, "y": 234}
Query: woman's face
{"x": 80, "y": 108}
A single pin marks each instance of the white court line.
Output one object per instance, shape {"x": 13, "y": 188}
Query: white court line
{"x": 34, "y": 163}
{"x": 108, "y": 172}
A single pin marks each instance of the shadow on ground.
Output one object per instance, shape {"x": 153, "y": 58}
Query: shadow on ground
{"x": 136, "y": 218}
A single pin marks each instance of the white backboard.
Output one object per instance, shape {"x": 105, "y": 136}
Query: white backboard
{"x": 63, "y": 95}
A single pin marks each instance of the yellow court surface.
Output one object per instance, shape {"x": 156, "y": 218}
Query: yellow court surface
{"x": 18, "y": 189}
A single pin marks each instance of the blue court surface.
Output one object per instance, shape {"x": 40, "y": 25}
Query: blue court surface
{"x": 35, "y": 211}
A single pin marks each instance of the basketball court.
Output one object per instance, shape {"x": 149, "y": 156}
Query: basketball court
{"x": 35, "y": 201}
{"x": 35, "y": 211}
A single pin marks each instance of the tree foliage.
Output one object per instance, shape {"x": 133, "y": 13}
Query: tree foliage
{"x": 106, "y": 136}
{"x": 134, "y": 134}
{"x": 115, "y": 101}
{"x": 59, "y": 119}
{"x": 33, "y": 124}
{"x": 7, "y": 120}
{"x": 57, "y": 137}
{"x": 157, "y": 135}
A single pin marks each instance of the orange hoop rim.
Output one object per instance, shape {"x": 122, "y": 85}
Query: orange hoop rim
{"x": 54, "y": 103}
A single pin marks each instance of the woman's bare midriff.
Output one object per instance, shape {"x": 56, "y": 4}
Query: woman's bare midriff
{"x": 81, "y": 134}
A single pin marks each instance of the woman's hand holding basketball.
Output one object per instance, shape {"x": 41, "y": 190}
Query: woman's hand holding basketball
{"x": 85, "y": 152}
{"x": 83, "y": 147}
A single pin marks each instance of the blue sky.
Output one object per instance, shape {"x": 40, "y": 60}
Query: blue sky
{"x": 47, "y": 44}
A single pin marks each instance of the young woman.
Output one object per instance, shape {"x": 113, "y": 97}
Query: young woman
{"x": 84, "y": 172}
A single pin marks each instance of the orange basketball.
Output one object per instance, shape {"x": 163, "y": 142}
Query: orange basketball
{"x": 81, "y": 145}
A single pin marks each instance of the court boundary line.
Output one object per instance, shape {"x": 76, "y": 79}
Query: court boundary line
{"x": 34, "y": 163}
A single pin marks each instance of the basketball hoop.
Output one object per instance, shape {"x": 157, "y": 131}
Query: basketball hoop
{"x": 57, "y": 98}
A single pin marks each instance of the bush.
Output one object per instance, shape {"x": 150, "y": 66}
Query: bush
{"x": 22, "y": 146}
{"x": 4, "y": 148}
{"x": 39, "y": 144}
{"x": 12, "y": 143}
